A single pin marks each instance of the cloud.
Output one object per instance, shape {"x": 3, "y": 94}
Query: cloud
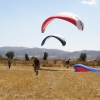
{"x": 90, "y": 2}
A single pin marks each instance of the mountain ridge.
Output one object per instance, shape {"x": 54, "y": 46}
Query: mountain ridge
{"x": 53, "y": 53}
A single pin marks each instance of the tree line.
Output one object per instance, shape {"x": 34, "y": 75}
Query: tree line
{"x": 10, "y": 55}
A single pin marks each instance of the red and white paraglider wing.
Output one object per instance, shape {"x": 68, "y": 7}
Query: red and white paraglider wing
{"x": 75, "y": 20}
{"x": 45, "y": 23}
{"x": 79, "y": 24}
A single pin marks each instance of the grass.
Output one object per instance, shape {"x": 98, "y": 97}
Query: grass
{"x": 52, "y": 83}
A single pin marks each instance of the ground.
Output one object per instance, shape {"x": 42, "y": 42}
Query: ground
{"x": 52, "y": 83}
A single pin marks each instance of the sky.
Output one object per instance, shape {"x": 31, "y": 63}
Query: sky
{"x": 21, "y": 21}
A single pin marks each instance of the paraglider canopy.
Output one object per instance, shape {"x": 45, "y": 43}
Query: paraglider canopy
{"x": 69, "y": 17}
{"x": 59, "y": 37}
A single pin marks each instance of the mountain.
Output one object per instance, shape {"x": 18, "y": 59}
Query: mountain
{"x": 53, "y": 53}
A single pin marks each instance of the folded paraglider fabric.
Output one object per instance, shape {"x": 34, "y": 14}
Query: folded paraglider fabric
{"x": 84, "y": 68}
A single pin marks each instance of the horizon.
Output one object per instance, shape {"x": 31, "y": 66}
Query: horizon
{"x": 44, "y": 48}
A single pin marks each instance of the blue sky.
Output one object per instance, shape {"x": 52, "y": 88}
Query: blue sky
{"x": 21, "y": 21}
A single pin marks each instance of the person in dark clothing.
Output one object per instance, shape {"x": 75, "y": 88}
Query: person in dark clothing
{"x": 67, "y": 62}
{"x": 9, "y": 62}
{"x": 36, "y": 65}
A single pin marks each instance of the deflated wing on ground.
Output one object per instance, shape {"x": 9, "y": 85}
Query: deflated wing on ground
{"x": 84, "y": 68}
{"x": 69, "y": 17}
{"x": 60, "y": 38}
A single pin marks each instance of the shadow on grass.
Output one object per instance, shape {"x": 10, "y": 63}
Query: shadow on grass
{"x": 52, "y": 69}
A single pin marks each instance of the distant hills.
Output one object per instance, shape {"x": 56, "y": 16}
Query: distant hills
{"x": 53, "y": 53}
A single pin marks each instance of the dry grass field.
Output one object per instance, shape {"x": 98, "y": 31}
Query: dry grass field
{"x": 53, "y": 83}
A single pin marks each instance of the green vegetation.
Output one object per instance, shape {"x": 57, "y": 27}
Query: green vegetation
{"x": 10, "y": 54}
{"x": 83, "y": 57}
{"x": 26, "y": 57}
{"x": 45, "y": 56}
{"x": 1, "y": 57}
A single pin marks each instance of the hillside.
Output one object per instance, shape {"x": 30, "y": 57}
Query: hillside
{"x": 53, "y": 53}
